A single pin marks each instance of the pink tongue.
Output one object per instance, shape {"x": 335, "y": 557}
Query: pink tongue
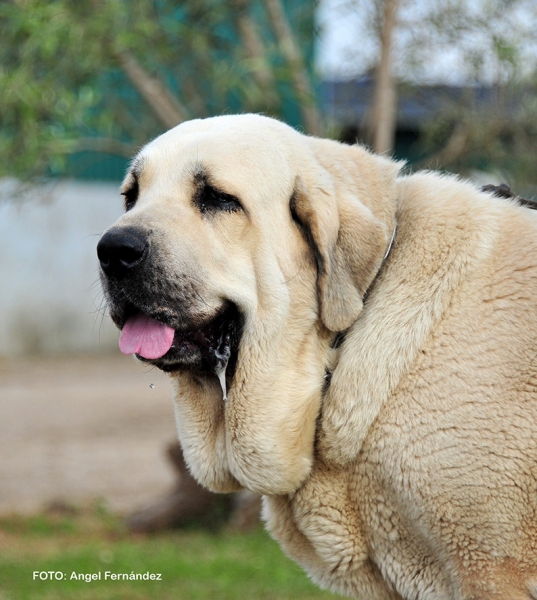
{"x": 144, "y": 336}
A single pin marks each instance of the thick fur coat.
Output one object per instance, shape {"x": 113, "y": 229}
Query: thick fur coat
{"x": 383, "y": 396}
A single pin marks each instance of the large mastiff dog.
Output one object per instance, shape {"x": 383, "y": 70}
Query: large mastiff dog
{"x": 357, "y": 345}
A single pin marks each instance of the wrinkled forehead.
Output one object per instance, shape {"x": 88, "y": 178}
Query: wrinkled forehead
{"x": 235, "y": 151}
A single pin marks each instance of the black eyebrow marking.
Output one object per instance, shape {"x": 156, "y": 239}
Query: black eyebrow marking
{"x": 199, "y": 175}
{"x": 210, "y": 197}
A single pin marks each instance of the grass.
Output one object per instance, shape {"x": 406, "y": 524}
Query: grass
{"x": 193, "y": 564}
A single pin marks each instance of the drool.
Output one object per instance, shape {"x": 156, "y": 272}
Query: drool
{"x": 220, "y": 358}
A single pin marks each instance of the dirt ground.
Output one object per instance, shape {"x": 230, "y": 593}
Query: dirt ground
{"x": 80, "y": 429}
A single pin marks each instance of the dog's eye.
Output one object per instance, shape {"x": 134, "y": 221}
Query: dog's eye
{"x": 130, "y": 195}
{"x": 211, "y": 199}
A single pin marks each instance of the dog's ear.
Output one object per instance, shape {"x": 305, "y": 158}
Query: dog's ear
{"x": 345, "y": 205}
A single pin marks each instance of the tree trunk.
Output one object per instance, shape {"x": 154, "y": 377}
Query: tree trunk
{"x": 383, "y": 113}
{"x": 299, "y": 75}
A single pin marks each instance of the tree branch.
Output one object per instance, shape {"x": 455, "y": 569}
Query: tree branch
{"x": 160, "y": 99}
{"x": 164, "y": 104}
{"x": 300, "y": 79}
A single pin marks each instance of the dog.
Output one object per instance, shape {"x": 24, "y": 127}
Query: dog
{"x": 357, "y": 344}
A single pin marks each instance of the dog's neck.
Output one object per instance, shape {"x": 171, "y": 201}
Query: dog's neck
{"x": 339, "y": 337}
{"x": 382, "y": 264}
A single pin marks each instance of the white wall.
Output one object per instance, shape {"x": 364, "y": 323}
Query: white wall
{"x": 49, "y": 288}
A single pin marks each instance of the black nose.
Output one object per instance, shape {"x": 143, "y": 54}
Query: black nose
{"x": 120, "y": 250}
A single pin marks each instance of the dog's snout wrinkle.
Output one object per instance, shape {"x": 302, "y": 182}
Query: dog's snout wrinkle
{"x": 121, "y": 250}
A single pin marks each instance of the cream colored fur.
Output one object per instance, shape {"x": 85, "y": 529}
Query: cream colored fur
{"x": 415, "y": 474}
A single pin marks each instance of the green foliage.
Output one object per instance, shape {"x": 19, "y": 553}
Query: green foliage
{"x": 63, "y": 89}
{"x": 46, "y": 103}
{"x": 64, "y": 94}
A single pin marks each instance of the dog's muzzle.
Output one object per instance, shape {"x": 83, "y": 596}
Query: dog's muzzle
{"x": 156, "y": 320}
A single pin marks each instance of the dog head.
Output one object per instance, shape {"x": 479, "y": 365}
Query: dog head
{"x": 245, "y": 247}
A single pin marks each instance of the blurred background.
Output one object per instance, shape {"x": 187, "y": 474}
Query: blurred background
{"x": 84, "y": 432}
